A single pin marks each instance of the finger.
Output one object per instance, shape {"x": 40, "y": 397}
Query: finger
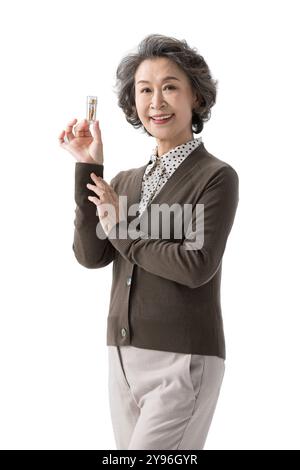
{"x": 82, "y": 128}
{"x": 84, "y": 124}
{"x": 61, "y": 138}
{"x": 97, "y": 132}
{"x": 99, "y": 181}
{"x": 95, "y": 200}
{"x": 83, "y": 133}
{"x": 69, "y": 130}
{"x": 98, "y": 191}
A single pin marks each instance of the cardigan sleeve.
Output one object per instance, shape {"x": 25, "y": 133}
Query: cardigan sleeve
{"x": 176, "y": 261}
{"x": 91, "y": 246}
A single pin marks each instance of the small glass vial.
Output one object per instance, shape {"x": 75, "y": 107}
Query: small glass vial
{"x": 91, "y": 108}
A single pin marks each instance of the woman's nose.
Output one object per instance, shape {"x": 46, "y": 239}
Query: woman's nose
{"x": 157, "y": 100}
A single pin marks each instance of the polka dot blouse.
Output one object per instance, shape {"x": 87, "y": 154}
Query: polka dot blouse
{"x": 160, "y": 169}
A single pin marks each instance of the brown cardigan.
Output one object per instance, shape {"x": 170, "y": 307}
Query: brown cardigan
{"x": 163, "y": 296}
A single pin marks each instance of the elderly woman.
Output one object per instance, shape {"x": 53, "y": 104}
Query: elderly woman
{"x": 165, "y": 337}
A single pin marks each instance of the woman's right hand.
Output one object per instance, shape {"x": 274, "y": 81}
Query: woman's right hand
{"x": 84, "y": 146}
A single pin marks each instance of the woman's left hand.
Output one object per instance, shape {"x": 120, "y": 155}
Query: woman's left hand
{"x": 109, "y": 198}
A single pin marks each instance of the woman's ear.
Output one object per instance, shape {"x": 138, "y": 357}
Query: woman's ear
{"x": 197, "y": 102}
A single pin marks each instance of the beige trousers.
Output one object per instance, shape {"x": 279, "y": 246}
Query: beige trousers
{"x": 161, "y": 399}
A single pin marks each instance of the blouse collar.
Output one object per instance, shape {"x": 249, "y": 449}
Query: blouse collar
{"x": 173, "y": 157}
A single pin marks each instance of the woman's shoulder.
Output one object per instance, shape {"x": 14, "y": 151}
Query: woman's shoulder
{"x": 214, "y": 165}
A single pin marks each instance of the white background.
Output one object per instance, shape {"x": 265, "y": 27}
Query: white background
{"x": 53, "y": 353}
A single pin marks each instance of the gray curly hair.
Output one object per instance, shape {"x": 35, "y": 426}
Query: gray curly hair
{"x": 187, "y": 58}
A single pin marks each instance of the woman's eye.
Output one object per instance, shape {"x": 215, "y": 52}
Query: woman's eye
{"x": 168, "y": 86}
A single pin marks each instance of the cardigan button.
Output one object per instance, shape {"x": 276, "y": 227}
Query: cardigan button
{"x": 123, "y": 332}
{"x": 128, "y": 281}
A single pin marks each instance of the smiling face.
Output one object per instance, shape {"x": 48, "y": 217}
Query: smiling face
{"x": 157, "y": 93}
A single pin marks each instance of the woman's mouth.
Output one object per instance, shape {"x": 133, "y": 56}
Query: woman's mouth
{"x": 161, "y": 121}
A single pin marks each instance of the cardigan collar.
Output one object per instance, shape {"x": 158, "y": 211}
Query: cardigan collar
{"x": 176, "y": 178}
